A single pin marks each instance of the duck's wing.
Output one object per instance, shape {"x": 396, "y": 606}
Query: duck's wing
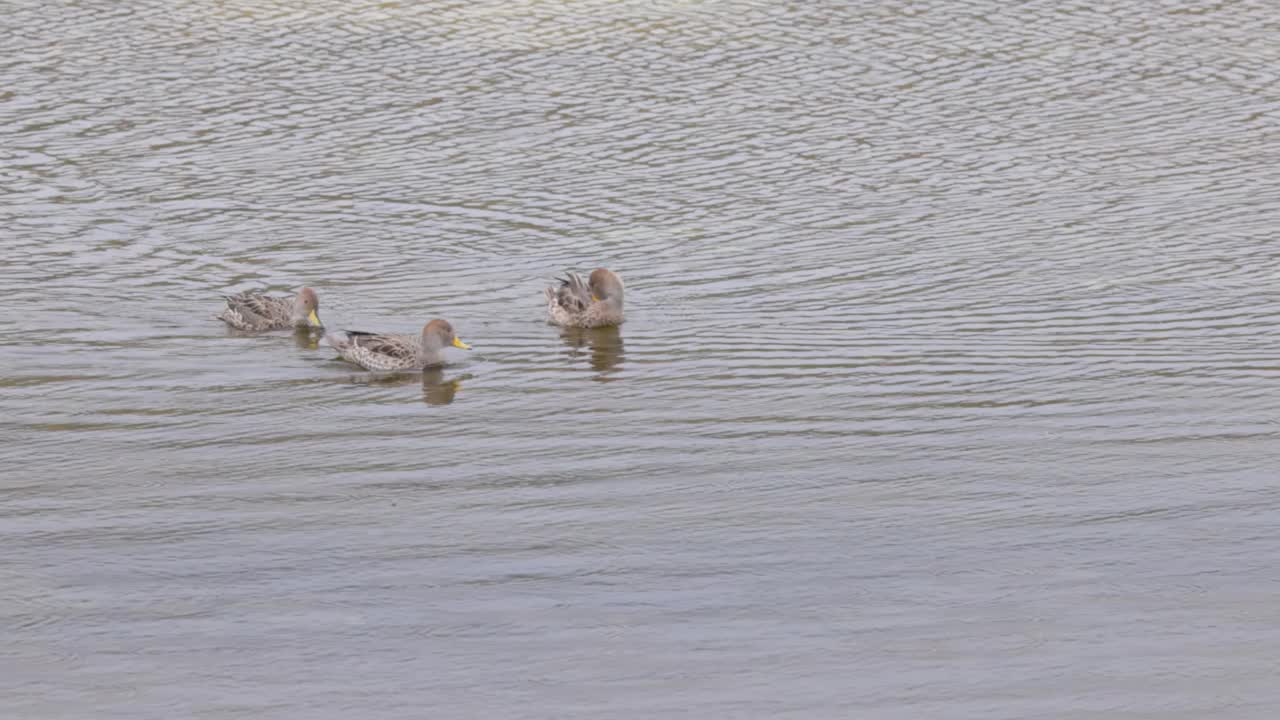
{"x": 256, "y": 304}
{"x": 573, "y": 295}
{"x": 376, "y": 351}
{"x": 251, "y": 311}
{"x": 398, "y": 347}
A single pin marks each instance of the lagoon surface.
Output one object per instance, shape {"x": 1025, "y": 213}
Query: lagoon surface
{"x": 949, "y": 386}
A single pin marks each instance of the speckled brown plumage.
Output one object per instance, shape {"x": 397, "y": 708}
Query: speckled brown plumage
{"x": 254, "y": 312}
{"x": 391, "y": 352}
{"x": 595, "y": 302}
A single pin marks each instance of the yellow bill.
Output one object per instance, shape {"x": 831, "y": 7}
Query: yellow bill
{"x": 313, "y": 319}
{"x": 457, "y": 342}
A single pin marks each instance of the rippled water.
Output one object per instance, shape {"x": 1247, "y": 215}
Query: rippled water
{"x": 946, "y": 390}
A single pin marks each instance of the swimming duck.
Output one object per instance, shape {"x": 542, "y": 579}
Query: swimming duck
{"x": 594, "y": 303}
{"x": 385, "y": 353}
{"x": 253, "y": 311}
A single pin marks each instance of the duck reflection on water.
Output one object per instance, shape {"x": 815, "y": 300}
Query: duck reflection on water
{"x": 305, "y": 339}
{"x": 437, "y": 389}
{"x": 605, "y": 346}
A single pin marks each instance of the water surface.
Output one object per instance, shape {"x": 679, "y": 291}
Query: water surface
{"x": 946, "y": 388}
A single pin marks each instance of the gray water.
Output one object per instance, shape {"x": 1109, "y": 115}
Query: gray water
{"x": 947, "y": 389}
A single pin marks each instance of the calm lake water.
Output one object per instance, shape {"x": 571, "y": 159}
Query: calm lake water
{"x": 948, "y": 388}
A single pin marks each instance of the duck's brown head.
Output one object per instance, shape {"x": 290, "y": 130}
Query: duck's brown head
{"x": 306, "y": 308}
{"x": 605, "y": 285}
{"x": 439, "y": 333}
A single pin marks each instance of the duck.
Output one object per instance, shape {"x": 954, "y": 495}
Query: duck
{"x": 389, "y": 353}
{"x": 255, "y": 312}
{"x": 597, "y": 302}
